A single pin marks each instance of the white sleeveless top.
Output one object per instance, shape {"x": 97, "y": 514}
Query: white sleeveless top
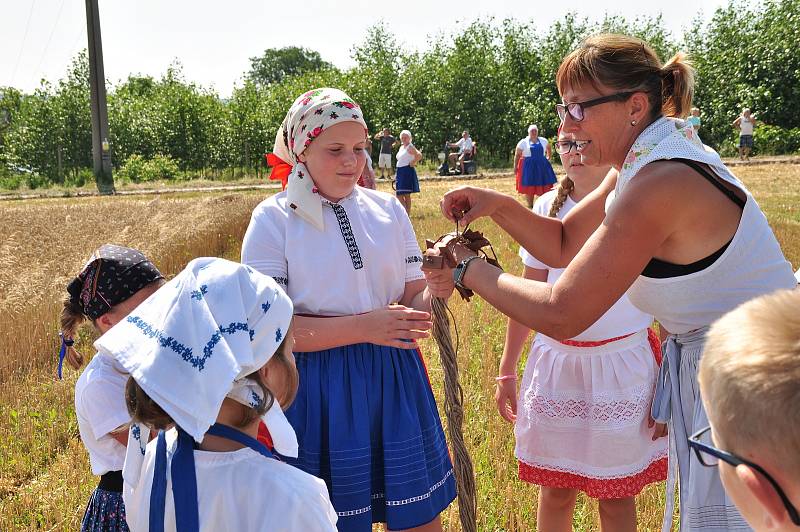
{"x": 745, "y": 126}
{"x": 752, "y": 265}
{"x": 404, "y": 155}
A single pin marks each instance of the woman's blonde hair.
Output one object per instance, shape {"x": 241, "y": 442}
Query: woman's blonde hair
{"x": 629, "y": 64}
{"x": 565, "y": 188}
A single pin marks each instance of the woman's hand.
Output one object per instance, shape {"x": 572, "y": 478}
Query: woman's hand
{"x": 467, "y": 204}
{"x": 506, "y": 398}
{"x": 440, "y": 282}
{"x": 392, "y": 325}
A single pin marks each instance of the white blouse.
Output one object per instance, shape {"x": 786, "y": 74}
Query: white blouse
{"x": 621, "y": 319}
{"x": 100, "y": 409}
{"x": 359, "y": 263}
{"x": 237, "y": 490}
{"x": 525, "y": 146}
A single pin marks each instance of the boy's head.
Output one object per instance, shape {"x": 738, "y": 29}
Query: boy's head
{"x": 750, "y": 383}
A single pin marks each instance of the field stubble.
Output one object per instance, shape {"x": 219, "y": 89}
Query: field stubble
{"x": 45, "y": 479}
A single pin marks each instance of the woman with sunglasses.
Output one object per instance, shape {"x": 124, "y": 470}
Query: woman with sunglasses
{"x": 672, "y": 227}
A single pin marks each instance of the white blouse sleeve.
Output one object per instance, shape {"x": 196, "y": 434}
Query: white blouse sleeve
{"x": 103, "y": 404}
{"x": 264, "y": 243}
{"x": 542, "y": 208}
{"x": 412, "y": 254}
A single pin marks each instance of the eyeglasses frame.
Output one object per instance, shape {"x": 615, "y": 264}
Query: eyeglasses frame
{"x": 579, "y": 145}
{"x": 699, "y": 447}
{"x": 565, "y": 107}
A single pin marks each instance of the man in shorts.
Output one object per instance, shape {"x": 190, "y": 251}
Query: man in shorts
{"x": 385, "y": 157}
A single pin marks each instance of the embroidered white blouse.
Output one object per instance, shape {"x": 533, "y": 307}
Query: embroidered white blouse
{"x": 237, "y": 490}
{"x": 359, "y": 263}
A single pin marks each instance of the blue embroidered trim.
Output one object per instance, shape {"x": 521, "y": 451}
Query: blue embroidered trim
{"x": 412, "y": 259}
{"x": 255, "y": 400}
{"x": 278, "y": 335}
{"x": 252, "y": 334}
{"x": 182, "y": 350}
{"x": 282, "y": 280}
{"x": 198, "y": 294}
{"x": 265, "y": 307}
{"x": 347, "y": 234}
{"x": 137, "y": 435}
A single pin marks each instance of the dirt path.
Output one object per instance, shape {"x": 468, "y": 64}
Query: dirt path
{"x": 732, "y": 162}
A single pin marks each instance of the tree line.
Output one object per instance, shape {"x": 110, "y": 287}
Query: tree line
{"x": 490, "y": 77}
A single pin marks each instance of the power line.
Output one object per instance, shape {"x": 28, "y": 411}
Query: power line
{"x": 52, "y": 31}
{"x": 22, "y": 46}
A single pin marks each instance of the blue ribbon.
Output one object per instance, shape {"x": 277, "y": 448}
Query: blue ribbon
{"x": 184, "y": 478}
{"x": 65, "y": 343}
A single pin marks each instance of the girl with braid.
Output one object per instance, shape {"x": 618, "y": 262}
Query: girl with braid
{"x": 581, "y": 420}
{"x": 112, "y": 284}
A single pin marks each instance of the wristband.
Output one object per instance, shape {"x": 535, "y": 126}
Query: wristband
{"x": 461, "y": 269}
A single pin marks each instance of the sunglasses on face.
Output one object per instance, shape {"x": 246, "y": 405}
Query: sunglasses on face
{"x": 565, "y": 146}
{"x": 576, "y": 109}
{"x": 709, "y": 456}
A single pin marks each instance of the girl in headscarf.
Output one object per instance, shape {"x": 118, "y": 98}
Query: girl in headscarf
{"x": 365, "y": 417}
{"x": 113, "y": 283}
{"x": 209, "y": 357}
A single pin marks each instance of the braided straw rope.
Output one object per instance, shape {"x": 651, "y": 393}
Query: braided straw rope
{"x": 454, "y": 412}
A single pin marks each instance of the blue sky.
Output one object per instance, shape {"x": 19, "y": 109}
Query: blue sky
{"x": 214, "y": 40}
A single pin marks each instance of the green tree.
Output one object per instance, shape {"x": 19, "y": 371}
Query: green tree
{"x": 275, "y": 64}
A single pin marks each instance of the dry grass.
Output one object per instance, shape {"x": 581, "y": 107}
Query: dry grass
{"x": 44, "y": 475}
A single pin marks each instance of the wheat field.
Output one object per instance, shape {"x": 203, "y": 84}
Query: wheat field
{"x": 45, "y": 479}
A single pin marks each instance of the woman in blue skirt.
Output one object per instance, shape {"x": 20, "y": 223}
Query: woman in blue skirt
{"x": 365, "y": 416}
{"x": 532, "y": 167}
{"x": 407, "y": 183}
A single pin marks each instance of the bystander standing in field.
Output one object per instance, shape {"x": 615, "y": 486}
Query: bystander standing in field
{"x": 672, "y": 227}
{"x": 572, "y": 431}
{"x": 385, "y": 156}
{"x": 532, "y": 156}
{"x": 745, "y": 123}
{"x": 694, "y": 119}
{"x": 112, "y": 284}
{"x": 227, "y": 366}
{"x": 365, "y": 415}
{"x": 407, "y": 182}
{"x": 750, "y": 383}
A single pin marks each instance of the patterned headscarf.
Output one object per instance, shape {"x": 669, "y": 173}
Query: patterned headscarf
{"x": 112, "y": 275}
{"x": 309, "y": 115}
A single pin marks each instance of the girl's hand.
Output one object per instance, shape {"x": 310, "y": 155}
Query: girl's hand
{"x": 392, "y": 325}
{"x": 660, "y": 428}
{"x": 506, "y": 398}
{"x": 440, "y": 282}
{"x": 467, "y": 204}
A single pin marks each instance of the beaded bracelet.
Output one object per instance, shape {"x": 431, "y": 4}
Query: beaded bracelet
{"x": 502, "y": 378}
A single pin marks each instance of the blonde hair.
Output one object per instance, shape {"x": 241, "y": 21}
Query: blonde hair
{"x": 750, "y": 378}
{"x": 565, "y": 188}
{"x": 629, "y": 64}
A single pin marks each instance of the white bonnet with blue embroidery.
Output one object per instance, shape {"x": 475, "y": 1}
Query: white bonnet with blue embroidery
{"x": 193, "y": 342}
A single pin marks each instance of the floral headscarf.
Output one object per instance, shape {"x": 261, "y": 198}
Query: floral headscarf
{"x": 310, "y": 114}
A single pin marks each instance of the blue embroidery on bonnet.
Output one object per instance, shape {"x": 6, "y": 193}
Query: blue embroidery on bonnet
{"x": 198, "y": 294}
{"x": 278, "y": 335}
{"x": 137, "y": 435}
{"x": 182, "y": 350}
{"x": 265, "y": 307}
{"x": 255, "y": 400}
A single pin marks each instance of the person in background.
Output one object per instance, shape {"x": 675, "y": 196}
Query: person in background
{"x": 385, "y": 157}
{"x": 532, "y": 167}
{"x": 745, "y": 123}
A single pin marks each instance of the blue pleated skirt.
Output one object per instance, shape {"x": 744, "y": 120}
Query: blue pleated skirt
{"x": 537, "y": 172}
{"x": 105, "y": 512}
{"x": 407, "y": 181}
{"x": 367, "y": 424}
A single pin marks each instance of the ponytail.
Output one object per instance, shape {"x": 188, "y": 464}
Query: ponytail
{"x": 677, "y": 86}
{"x": 71, "y": 318}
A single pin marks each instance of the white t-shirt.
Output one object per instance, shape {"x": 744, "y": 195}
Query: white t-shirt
{"x": 100, "y": 408}
{"x": 745, "y": 125}
{"x": 237, "y": 490}
{"x": 526, "y": 148}
{"x": 464, "y": 144}
{"x": 361, "y": 262}
{"x": 621, "y": 319}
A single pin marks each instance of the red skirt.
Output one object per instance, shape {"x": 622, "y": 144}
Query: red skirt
{"x": 535, "y": 190}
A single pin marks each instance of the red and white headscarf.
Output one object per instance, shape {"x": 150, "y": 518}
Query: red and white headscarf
{"x": 310, "y": 114}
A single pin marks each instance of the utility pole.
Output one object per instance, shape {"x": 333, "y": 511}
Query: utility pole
{"x": 101, "y": 150}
